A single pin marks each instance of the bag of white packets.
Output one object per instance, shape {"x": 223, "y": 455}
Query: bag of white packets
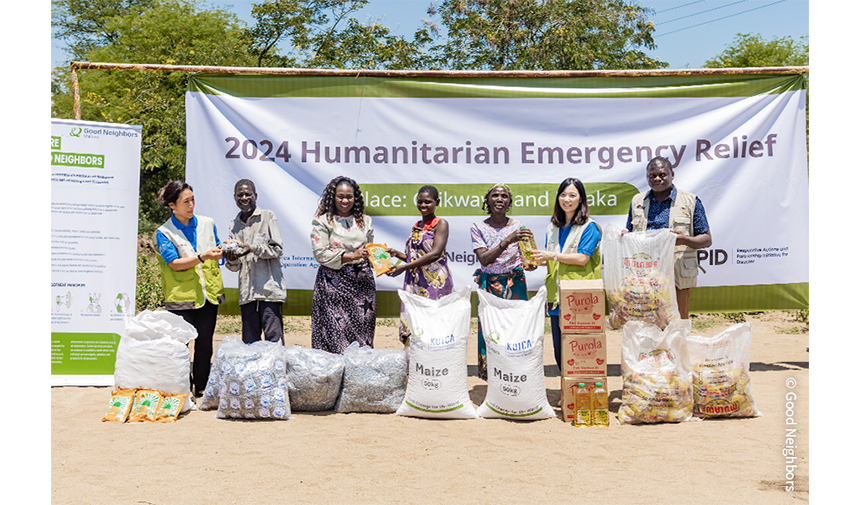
{"x": 220, "y": 367}
{"x": 655, "y": 368}
{"x": 314, "y": 377}
{"x": 256, "y": 385}
{"x": 374, "y": 380}
{"x": 721, "y": 373}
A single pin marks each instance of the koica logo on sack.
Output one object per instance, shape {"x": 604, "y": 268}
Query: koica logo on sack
{"x": 583, "y": 355}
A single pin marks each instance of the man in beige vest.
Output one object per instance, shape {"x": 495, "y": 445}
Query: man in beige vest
{"x": 665, "y": 206}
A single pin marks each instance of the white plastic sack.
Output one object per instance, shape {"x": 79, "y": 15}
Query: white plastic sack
{"x": 154, "y": 354}
{"x": 639, "y": 277}
{"x": 256, "y": 383}
{"x": 314, "y": 377}
{"x": 721, "y": 373}
{"x": 374, "y": 380}
{"x": 513, "y": 331}
{"x": 655, "y": 369}
{"x": 437, "y": 385}
{"x": 220, "y": 367}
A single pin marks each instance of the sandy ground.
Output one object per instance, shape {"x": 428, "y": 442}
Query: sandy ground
{"x": 330, "y": 458}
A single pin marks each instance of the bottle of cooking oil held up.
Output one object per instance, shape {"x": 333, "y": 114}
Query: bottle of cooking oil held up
{"x": 600, "y": 405}
{"x": 527, "y": 249}
{"x": 582, "y": 401}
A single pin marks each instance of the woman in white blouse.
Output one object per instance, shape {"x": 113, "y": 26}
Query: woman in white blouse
{"x": 344, "y": 303}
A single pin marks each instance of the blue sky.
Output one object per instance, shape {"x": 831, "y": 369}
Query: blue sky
{"x": 688, "y": 32}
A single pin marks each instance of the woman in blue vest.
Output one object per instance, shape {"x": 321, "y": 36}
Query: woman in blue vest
{"x": 189, "y": 253}
{"x": 572, "y": 249}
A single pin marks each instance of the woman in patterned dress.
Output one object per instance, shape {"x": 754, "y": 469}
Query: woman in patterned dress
{"x": 495, "y": 241}
{"x": 425, "y": 263}
{"x": 344, "y": 303}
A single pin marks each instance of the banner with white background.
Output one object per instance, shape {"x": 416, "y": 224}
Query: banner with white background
{"x": 95, "y": 173}
{"x": 739, "y": 144}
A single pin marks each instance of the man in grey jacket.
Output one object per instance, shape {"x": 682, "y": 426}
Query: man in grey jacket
{"x": 254, "y": 250}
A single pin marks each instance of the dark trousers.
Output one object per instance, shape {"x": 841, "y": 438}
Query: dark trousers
{"x": 556, "y": 340}
{"x": 202, "y": 319}
{"x": 262, "y": 317}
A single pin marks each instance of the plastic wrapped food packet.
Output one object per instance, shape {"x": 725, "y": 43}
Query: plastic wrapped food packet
{"x": 255, "y": 387}
{"x": 657, "y": 381}
{"x": 379, "y": 258}
{"x": 514, "y": 330}
{"x": 639, "y": 277}
{"x": 374, "y": 380}
{"x": 121, "y": 402}
{"x": 437, "y": 385}
{"x": 721, "y": 378}
{"x": 314, "y": 378}
{"x": 220, "y": 366}
{"x": 168, "y": 409}
{"x": 230, "y": 247}
{"x": 146, "y": 402}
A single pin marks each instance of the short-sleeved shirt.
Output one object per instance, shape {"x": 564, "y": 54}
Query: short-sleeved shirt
{"x": 168, "y": 250}
{"x": 658, "y": 214}
{"x": 587, "y": 242}
{"x": 487, "y": 237}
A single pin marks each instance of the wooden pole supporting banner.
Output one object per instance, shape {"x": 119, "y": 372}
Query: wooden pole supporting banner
{"x": 86, "y": 65}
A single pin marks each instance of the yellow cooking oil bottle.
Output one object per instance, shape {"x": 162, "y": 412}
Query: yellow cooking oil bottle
{"x": 527, "y": 249}
{"x": 600, "y": 405}
{"x": 582, "y": 402}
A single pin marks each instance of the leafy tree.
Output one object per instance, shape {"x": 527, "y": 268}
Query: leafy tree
{"x": 324, "y": 34}
{"x": 748, "y": 50}
{"x": 173, "y": 32}
{"x": 545, "y": 35}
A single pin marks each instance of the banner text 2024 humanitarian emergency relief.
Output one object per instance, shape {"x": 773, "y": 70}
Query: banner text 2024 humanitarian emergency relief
{"x": 315, "y": 152}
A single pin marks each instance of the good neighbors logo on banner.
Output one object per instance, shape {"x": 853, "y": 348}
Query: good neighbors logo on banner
{"x": 739, "y": 144}
{"x": 95, "y": 169}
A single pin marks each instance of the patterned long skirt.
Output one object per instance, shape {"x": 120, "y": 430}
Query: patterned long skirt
{"x": 511, "y": 286}
{"x": 344, "y": 307}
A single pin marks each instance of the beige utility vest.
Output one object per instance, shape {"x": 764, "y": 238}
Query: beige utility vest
{"x": 680, "y": 219}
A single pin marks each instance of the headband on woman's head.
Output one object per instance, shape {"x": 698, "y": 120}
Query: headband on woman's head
{"x": 501, "y": 185}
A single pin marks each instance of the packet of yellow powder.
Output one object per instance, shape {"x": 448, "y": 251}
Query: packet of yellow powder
{"x": 169, "y": 408}
{"x": 121, "y": 401}
{"x": 381, "y": 261}
{"x": 146, "y": 402}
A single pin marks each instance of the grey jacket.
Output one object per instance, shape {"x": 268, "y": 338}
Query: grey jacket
{"x": 260, "y": 274}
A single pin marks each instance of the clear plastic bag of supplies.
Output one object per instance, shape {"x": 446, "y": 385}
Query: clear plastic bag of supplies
{"x": 721, "y": 373}
{"x": 639, "y": 277}
{"x": 374, "y": 380}
{"x": 256, "y": 383}
{"x": 656, "y": 374}
{"x": 314, "y": 377}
